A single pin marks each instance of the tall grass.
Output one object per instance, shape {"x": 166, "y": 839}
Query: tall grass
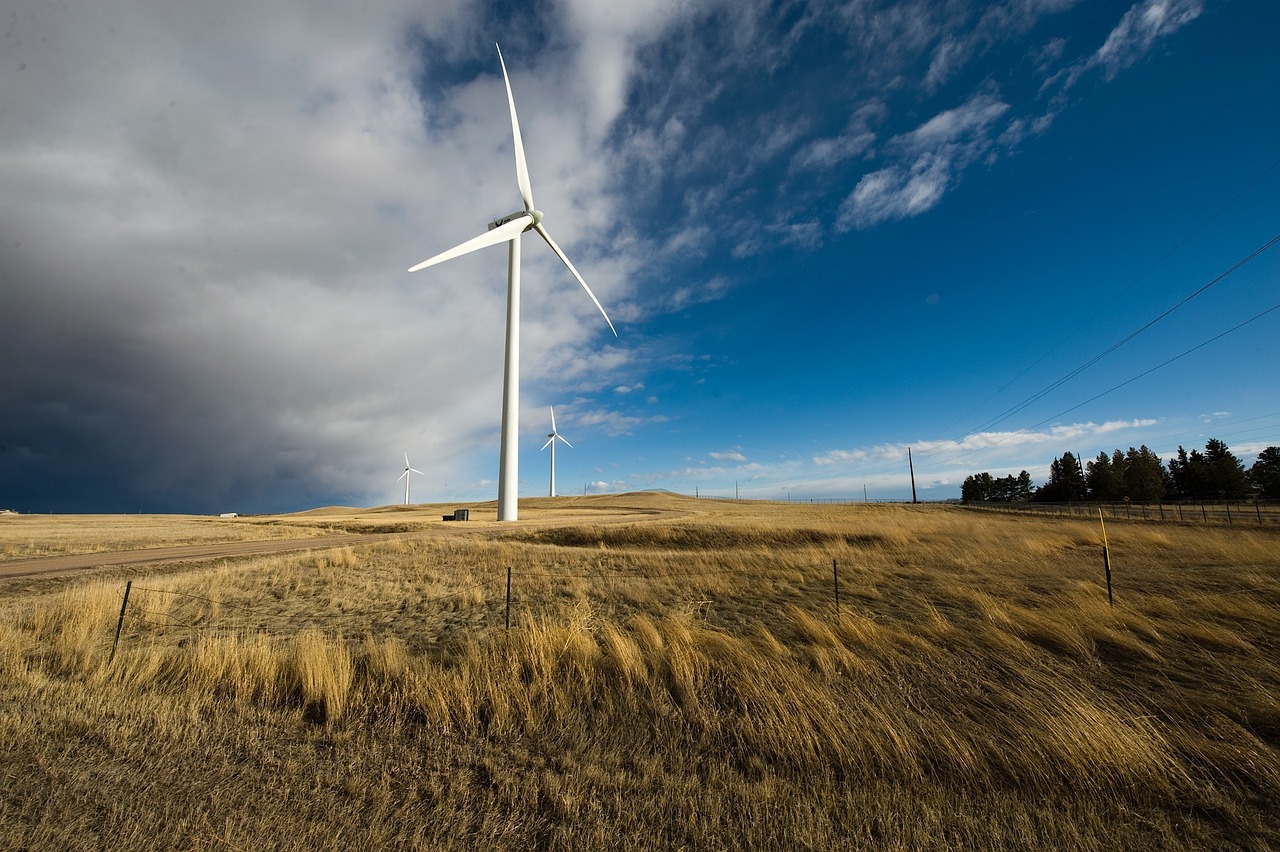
{"x": 974, "y": 689}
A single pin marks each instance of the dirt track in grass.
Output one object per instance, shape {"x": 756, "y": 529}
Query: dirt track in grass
{"x": 376, "y": 527}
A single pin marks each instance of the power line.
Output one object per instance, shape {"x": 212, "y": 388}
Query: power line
{"x": 1129, "y": 381}
{"x": 1095, "y": 359}
{"x": 995, "y": 443}
{"x": 1165, "y": 363}
{"x": 1125, "y": 290}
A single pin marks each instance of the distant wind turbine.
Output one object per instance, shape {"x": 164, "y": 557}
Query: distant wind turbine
{"x": 508, "y": 229}
{"x": 552, "y": 437}
{"x": 405, "y": 476}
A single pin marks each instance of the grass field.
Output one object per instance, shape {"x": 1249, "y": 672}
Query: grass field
{"x": 676, "y": 675}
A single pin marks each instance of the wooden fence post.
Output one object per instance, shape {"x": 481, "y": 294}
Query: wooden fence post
{"x": 120, "y": 621}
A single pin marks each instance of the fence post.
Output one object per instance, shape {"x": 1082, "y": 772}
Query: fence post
{"x": 1228, "y": 504}
{"x": 1106, "y": 557}
{"x": 508, "y": 623}
{"x": 120, "y": 621}
{"x": 1257, "y": 505}
{"x": 835, "y": 576}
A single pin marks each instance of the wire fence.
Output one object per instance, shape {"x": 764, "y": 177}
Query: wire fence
{"x": 148, "y": 609}
{"x": 1242, "y": 513}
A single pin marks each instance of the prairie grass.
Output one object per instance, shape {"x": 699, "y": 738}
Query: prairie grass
{"x": 685, "y": 681}
{"x": 26, "y": 536}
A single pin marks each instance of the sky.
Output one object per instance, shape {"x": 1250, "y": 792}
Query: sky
{"x": 827, "y": 233}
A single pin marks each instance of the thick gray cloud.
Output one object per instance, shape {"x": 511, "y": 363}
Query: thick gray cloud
{"x": 206, "y": 211}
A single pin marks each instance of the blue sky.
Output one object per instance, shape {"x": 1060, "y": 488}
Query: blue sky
{"x": 826, "y": 232}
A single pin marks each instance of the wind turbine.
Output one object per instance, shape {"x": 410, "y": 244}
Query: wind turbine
{"x": 508, "y": 229}
{"x": 551, "y": 442}
{"x": 405, "y": 476}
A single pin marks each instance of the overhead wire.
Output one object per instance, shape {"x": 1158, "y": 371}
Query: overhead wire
{"x": 1126, "y": 339}
{"x": 1009, "y": 436}
{"x": 995, "y": 421}
{"x": 1120, "y": 293}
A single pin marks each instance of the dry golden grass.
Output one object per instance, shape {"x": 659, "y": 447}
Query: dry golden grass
{"x": 676, "y": 675}
{"x": 25, "y": 536}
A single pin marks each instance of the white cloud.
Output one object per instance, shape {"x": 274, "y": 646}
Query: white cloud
{"x": 1139, "y": 29}
{"x": 822, "y": 154}
{"x": 731, "y": 455}
{"x": 931, "y": 156}
{"x": 1005, "y": 442}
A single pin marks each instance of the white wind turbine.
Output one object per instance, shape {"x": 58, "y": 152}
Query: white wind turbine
{"x": 552, "y": 437}
{"x": 405, "y": 476}
{"x": 508, "y": 229}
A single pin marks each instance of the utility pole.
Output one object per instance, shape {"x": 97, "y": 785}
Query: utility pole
{"x": 864, "y": 493}
{"x": 912, "y": 466}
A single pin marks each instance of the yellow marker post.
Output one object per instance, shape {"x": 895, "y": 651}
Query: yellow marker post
{"x": 1106, "y": 557}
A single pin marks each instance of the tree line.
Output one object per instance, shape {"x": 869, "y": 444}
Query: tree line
{"x": 1138, "y": 475}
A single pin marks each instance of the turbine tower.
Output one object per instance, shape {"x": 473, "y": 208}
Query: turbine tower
{"x": 508, "y": 229}
{"x": 405, "y": 476}
{"x": 552, "y": 437}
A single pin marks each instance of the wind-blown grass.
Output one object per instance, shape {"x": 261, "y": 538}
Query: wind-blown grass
{"x": 681, "y": 682}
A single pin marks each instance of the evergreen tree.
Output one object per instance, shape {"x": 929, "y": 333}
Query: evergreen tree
{"x": 1265, "y": 473}
{"x": 1144, "y": 475}
{"x": 977, "y": 489}
{"x": 1226, "y": 473}
{"x": 1022, "y": 490}
{"x": 1066, "y": 481}
{"x": 1190, "y": 474}
{"x": 1106, "y": 478}
{"x": 984, "y": 488}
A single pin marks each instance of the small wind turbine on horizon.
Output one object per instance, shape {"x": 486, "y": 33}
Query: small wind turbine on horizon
{"x": 552, "y": 437}
{"x": 509, "y": 229}
{"x": 408, "y": 469}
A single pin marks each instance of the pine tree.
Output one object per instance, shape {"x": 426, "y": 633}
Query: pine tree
{"x": 1190, "y": 474}
{"x": 1225, "y": 471}
{"x": 1022, "y": 491}
{"x": 1144, "y": 475}
{"x": 1105, "y": 478}
{"x": 977, "y": 489}
{"x": 1265, "y": 473}
{"x": 1066, "y": 481}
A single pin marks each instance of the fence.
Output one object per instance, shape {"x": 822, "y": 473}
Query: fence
{"x": 145, "y": 608}
{"x": 1258, "y": 513}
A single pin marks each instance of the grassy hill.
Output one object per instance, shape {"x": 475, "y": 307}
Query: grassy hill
{"x": 676, "y": 674}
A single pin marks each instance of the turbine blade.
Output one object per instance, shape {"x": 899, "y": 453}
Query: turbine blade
{"x": 537, "y": 226}
{"x": 406, "y": 461}
{"x": 566, "y": 443}
{"x": 522, "y": 168}
{"x": 547, "y": 444}
{"x": 402, "y": 476}
{"x": 553, "y": 418}
{"x": 415, "y": 470}
{"x": 500, "y": 234}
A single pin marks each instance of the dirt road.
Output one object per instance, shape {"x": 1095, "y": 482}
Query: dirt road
{"x": 48, "y": 566}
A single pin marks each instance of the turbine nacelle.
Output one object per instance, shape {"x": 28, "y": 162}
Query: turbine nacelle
{"x": 534, "y": 215}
